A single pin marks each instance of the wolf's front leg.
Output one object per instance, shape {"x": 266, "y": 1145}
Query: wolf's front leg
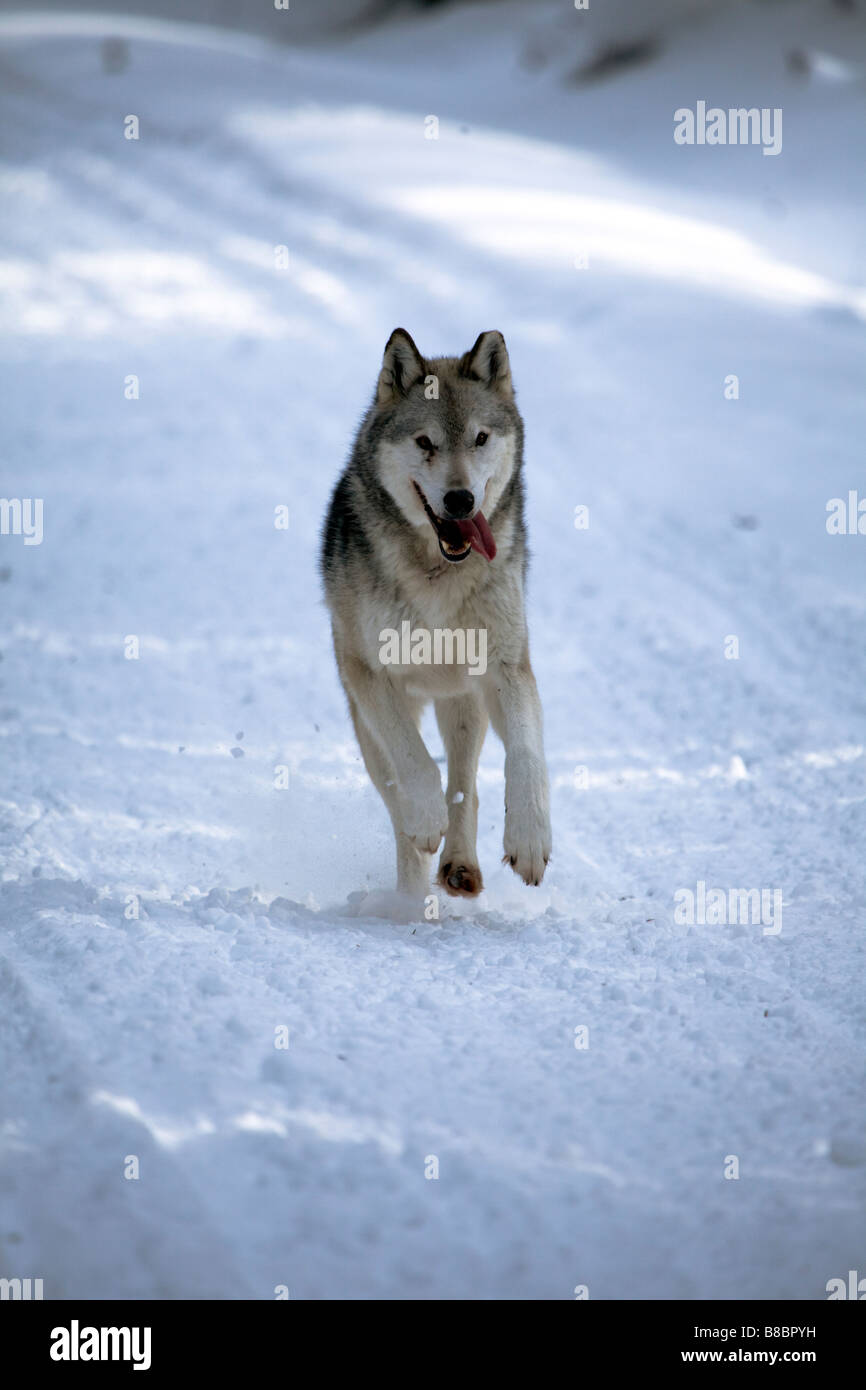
{"x": 515, "y": 713}
{"x": 389, "y": 716}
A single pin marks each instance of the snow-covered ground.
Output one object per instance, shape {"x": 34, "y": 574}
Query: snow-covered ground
{"x": 147, "y": 786}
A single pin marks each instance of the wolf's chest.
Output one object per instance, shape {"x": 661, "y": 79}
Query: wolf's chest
{"x": 434, "y": 644}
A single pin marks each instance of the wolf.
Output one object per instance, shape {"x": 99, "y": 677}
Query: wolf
{"x": 426, "y": 527}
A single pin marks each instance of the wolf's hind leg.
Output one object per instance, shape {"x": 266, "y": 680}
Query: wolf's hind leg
{"x": 463, "y": 723}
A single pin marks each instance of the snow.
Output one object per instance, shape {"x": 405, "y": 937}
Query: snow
{"x": 168, "y": 905}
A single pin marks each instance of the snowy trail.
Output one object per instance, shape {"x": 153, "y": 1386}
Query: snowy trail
{"x": 154, "y": 1035}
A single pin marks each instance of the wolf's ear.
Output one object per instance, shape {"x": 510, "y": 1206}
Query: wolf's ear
{"x": 402, "y": 366}
{"x": 488, "y": 361}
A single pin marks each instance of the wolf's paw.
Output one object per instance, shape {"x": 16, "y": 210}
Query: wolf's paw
{"x": 527, "y": 845}
{"x": 425, "y": 820}
{"x": 460, "y": 880}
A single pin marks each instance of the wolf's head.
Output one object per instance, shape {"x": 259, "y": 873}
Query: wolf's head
{"x": 450, "y": 438}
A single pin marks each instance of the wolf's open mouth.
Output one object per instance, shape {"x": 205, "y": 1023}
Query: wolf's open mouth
{"x": 457, "y": 538}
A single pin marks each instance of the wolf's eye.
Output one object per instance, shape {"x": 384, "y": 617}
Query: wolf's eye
{"x": 482, "y": 438}
{"x": 424, "y": 443}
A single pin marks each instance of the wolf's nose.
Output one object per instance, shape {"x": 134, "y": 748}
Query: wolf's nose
{"x": 459, "y": 503}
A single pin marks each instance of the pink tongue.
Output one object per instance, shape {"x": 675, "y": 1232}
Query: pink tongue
{"x": 479, "y": 535}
